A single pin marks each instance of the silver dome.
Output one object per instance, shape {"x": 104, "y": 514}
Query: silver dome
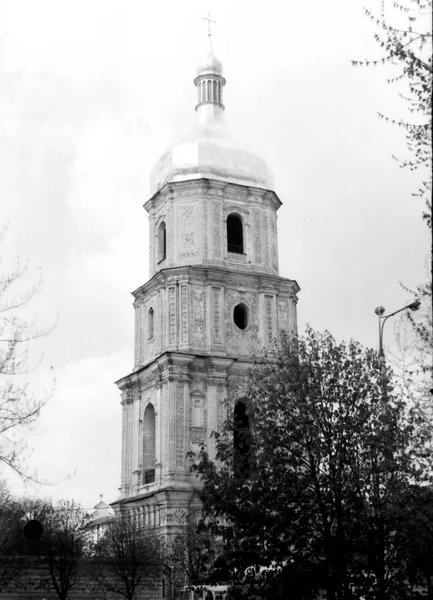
{"x": 208, "y": 150}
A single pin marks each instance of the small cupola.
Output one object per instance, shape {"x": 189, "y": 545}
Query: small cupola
{"x": 209, "y": 81}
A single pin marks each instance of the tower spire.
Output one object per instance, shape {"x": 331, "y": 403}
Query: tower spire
{"x": 209, "y": 80}
{"x": 209, "y": 30}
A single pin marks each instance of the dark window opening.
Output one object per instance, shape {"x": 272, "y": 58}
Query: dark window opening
{"x": 162, "y": 242}
{"x": 149, "y": 444}
{"x": 241, "y": 440}
{"x": 235, "y": 234}
{"x": 150, "y": 324}
{"x": 149, "y": 476}
{"x": 240, "y": 316}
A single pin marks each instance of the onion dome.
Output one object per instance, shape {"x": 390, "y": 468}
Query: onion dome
{"x": 208, "y": 150}
{"x": 209, "y": 64}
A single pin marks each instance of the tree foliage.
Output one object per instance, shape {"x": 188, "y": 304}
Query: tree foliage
{"x": 63, "y": 544}
{"x": 333, "y": 453}
{"x": 127, "y": 556}
{"x": 414, "y": 334}
{"x": 404, "y": 34}
{"x": 19, "y": 408}
{"x": 191, "y": 552}
{"x": 10, "y": 539}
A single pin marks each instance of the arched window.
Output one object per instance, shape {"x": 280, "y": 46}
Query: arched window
{"x": 150, "y": 324}
{"x": 209, "y": 91}
{"x": 162, "y": 241}
{"x": 241, "y": 440}
{"x": 235, "y": 234}
{"x": 149, "y": 444}
{"x": 215, "y": 92}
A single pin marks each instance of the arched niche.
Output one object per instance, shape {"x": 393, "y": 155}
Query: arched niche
{"x": 235, "y": 234}
{"x": 149, "y": 444}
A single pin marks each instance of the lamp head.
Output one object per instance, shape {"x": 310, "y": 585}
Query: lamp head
{"x": 379, "y": 311}
{"x": 415, "y": 305}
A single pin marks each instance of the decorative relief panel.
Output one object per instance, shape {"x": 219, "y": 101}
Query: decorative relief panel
{"x": 283, "y": 314}
{"x": 184, "y": 313}
{"x": 205, "y": 228}
{"x": 220, "y": 407}
{"x": 180, "y": 425}
{"x": 199, "y": 315}
{"x": 217, "y": 230}
{"x": 269, "y": 336}
{"x": 187, "y": 219}
{"x": 165, "y": 427}
{"x": 266, "y": 229}
{"x": 257, "y": 237}
{"x": 137, "y": 335}
{"x": 216, "y": 314}
{"x": 197, "y": 436}
{"x": 171, "y": 315}
{"x": 274, "y": 244}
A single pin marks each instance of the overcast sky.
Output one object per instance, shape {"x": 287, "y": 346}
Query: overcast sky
{"x": 92, "y": 91}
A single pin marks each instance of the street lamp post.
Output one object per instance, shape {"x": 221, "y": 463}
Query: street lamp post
{"x": 383, "y": 319}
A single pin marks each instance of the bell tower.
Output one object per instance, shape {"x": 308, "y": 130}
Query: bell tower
{"x": 213, "y": 305}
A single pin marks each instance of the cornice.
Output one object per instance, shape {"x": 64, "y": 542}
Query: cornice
{"x": 212, "y": 187}
{"x": 217, "y": 275}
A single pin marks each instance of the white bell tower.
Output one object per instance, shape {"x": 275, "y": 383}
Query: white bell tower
{"x": 214, "y": 304}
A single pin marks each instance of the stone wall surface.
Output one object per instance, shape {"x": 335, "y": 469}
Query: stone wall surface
{"x": 34, "y": 583}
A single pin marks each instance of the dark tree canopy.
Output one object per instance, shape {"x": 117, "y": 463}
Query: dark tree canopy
{"x": 127, "y": 556}
{"x": 334, "y": 452}
{"x": 63, "y": 544}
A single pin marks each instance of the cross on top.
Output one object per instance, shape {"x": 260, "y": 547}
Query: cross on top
{"x": 209, "y": 21}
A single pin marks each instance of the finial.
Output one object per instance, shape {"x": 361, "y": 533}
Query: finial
{"x": 209, "y": 32}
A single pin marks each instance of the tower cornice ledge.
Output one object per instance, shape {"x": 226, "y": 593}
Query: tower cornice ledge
{"x": 212, "y": 188}
{"x": 217, "y": 275}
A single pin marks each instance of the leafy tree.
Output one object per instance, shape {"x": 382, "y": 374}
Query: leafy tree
{"x": 414, "y": 334}
{"x": 333, "y": 450}
{"x": 404, "y": 34}
{"x": 127, "y": 556}
{"x": 63, "y": 544}
{"x": 416, "y": 539}
{"x": 10, "y": 538}
{"x": 19, "y": 408}
{"x": 191, "y": 551}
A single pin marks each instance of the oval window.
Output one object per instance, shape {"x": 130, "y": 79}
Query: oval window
{"x": 240, "y": 316}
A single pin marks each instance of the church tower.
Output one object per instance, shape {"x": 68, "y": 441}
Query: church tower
{"x": 213, "y": 305}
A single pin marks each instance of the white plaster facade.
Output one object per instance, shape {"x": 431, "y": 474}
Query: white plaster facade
{"x": 192, "y": 353}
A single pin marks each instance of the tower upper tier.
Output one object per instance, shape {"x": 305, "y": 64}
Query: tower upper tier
{"x": 208, "y": 150}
